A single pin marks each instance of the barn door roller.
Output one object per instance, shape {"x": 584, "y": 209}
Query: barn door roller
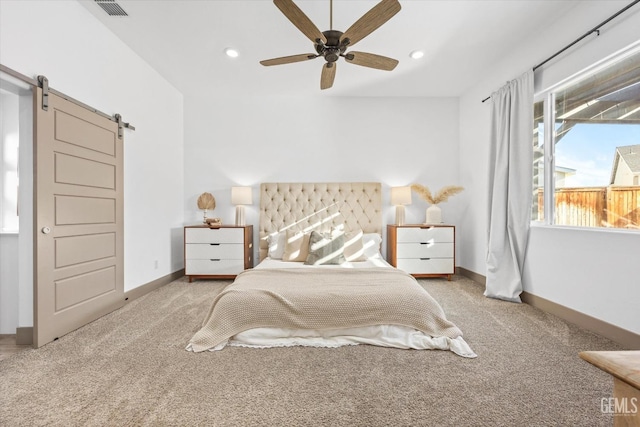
{"x": 43, "y": 83}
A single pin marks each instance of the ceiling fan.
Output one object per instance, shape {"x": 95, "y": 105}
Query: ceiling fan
{"x": 332, "y": 44}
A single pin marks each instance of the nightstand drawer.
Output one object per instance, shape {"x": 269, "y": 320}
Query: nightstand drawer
{"x": 214, "y": 235}
{"x": 213, "y": 266}
{"x": 425, "y": 250}
{"x": 427, "y": 266}
{"x": 431, "y": 234}
{"x": 214, "y": 251}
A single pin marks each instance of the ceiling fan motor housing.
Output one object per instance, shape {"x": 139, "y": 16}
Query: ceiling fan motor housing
{"x": 331, "y": 50}
{"x": 332, "y": 44}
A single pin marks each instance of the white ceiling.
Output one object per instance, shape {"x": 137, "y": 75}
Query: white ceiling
{"x": 184, "y": 41}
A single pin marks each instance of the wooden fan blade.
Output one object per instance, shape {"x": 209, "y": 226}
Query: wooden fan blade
{"x": 371, "y": 20}
{"x": 372, "y": 61}
{"x": 328, "y": 75}
{"x": 288, "y": 59}
{"x": 300, "y": 20}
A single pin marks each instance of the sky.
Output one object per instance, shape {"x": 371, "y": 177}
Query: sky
{"x": 590, "y": 148}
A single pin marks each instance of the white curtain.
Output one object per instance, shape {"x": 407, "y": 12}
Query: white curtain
{"x": 510, "y": 187}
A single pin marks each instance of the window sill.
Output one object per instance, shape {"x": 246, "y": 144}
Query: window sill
{"x": 631, "y": 232}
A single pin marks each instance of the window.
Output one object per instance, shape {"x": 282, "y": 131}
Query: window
{"x": 586, "y": 148}
{"x": 9, "y": 161}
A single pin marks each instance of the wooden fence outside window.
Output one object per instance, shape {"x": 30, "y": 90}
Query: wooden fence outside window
{"x": 613, "y": 207}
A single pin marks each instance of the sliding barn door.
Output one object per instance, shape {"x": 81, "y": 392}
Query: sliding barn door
{"x": 78, "y": 262}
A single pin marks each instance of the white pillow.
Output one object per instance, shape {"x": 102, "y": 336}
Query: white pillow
{"x": 296, "y": 246}
{"x": 353, "y": 246}
{"x": 371, "y": 243}
{"x": 276, "y": 244}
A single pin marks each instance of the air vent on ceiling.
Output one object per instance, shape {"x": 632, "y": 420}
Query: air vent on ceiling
{"x": 111, "y": 7}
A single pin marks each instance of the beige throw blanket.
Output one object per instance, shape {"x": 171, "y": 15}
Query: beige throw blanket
{"x": 330, "y": 298}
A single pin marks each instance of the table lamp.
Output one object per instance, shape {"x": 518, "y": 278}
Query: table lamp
{"x": 400, "y": 196}
{"x": 240, "y": 196}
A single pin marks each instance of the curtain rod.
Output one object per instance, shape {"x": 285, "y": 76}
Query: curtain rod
{"x": 595, "y": 29}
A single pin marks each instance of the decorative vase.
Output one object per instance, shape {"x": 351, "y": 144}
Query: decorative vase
{"x": 434, "y": 215}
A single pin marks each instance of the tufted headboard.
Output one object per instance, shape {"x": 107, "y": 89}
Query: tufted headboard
{"x": 319, "y": 206}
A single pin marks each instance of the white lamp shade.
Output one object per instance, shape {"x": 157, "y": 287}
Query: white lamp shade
{"x": 241, "y": 196}
{"x": 400, "y": 196}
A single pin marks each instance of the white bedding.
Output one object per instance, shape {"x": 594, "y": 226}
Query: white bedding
{"x": 376, "y": 261}
{"x": 380, "y": 335}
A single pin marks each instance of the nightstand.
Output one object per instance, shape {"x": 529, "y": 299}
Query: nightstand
{"x": 422, "y": 250}
{"x": 218, "y": 252}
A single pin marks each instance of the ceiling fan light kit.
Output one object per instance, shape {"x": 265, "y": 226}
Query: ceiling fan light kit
{"x": 333, "y": 44}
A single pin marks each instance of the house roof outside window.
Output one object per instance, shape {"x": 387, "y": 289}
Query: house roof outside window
{"x": 627, "y": 157}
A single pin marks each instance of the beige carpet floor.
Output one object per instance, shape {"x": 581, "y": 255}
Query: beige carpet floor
{"x": 130, "y": 368}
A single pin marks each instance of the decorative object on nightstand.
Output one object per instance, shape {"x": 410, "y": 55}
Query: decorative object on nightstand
{"x": 213, "y": 222}
{"x": 217, "y": 252}
{"x": 434, "y": 213}
{"x": 400, "y": 196}
{"x": 240, "y": 196}
{"x": 422, "y": 250}
{"x": 206, "y": 202}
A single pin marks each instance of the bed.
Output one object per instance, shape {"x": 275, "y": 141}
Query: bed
{"x": 322, "y": 282}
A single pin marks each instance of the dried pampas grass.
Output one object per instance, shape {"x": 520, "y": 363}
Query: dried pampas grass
{"x": 206, "y": 201}
{"x": 441, "y": 196}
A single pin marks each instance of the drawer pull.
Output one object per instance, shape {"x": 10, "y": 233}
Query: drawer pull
{"x": 214, "y": 244}
{"x": 424, "y": 243}
{"x": 214, "y": 259}
{"x": 424, "y": 259}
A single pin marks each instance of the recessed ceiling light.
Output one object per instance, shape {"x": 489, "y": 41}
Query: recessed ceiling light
{"x": 232, "y": 53}
{"x": 416, "y": 54}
